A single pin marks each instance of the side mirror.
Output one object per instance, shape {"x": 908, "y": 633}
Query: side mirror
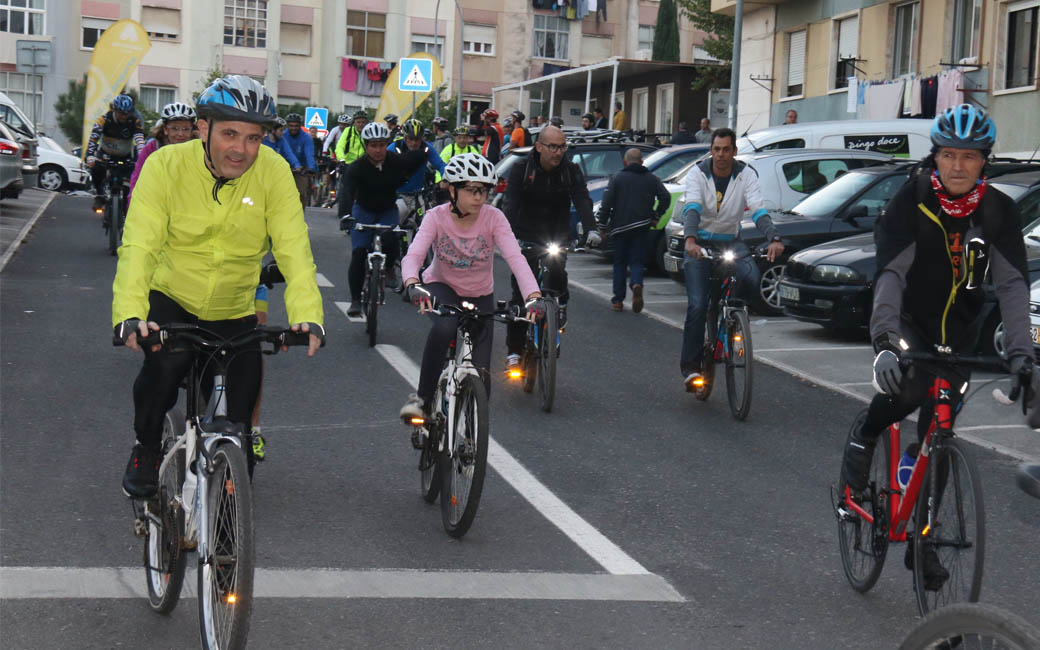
{"x": 854, "y": 213}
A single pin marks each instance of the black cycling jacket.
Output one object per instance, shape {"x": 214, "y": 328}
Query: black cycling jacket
{"x": 538, "y": 202}
{"x": 375, "y": 188}
{"x": 932, "y": 268}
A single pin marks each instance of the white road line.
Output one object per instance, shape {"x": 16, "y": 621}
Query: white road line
{"x": 648, "y": 301}
{"x": 17, "y": 241}
{"x": 128, "y": 582}
{"x": 343, "y": 306}
{"x": 856, "y": 383}
{"x": 609, "y": 555}
{"x": 780, "y": 365}
{"x": 324, "y": 281}
{"x": 817, "y": 349}
{"x": 984, "y": 427}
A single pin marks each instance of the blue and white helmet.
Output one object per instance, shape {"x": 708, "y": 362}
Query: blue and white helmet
{"x": 964, "y": 127}
{"x": 123, "y": 103}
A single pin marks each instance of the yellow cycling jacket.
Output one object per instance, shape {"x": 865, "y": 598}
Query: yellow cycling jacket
{"x": 206, "y": 255}
{"x": 350, "y": 146}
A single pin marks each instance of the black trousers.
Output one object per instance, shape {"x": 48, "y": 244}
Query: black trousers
{"x": 555, "y": 280}
{"x": 443, "y": 332}
{"x": 155, "y": 390}
{"x": 885, "y": 409}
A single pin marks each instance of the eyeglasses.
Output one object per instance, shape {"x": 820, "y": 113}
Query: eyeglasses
{"x": 477, "y": 190}
{"x": 555, "y": 148}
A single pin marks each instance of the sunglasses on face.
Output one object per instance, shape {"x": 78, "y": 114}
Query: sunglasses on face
{"x": 477, "y": 191}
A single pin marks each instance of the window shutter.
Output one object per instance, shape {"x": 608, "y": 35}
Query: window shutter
{"x": 848, "y": 38}
{"x": 161, "y": 21}
{"x": 796, "y": 59}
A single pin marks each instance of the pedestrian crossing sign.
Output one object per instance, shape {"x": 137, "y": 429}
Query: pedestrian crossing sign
{"x": 415, "y": 75}
{"x": 317, "y": 118}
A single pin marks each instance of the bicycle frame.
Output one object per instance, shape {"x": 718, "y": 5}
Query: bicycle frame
{"x": 458, "y": 366}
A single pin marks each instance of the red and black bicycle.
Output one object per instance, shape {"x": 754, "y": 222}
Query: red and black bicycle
{"x": 939, "y": 510}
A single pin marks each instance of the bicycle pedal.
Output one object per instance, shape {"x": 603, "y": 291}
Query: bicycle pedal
{"x": 140, "y": 527}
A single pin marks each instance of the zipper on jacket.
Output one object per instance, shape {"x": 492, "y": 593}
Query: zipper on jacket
{"x": 953, "y": 270}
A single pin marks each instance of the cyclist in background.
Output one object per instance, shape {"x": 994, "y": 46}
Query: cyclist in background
{"x": 302, "y": 145}
{"x": 118, "y": 134}
{"x": 371, "y": 188}
{"x": 717, "y": 191}
{"x": 232, "y": 200}
{"x": 441, "y": 135}
{"x": 328, "y": 148}
{"x": 494, "y": 137}
{"x": 391, "y": 123}
{"x": 412, "y": 130}
{"x": 275, "y": 138}
{"x": 463, "y": 234}
{"x": 937, "y": 239}
{"x": 178, "y": 122}
{"x": 520, "y": 137}
{"x": 537, "y": 204}
{"x": 349, "y": 147}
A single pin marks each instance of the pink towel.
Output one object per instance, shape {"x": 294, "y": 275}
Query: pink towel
{"x": 347, "y": 75}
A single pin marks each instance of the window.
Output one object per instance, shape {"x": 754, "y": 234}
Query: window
{"x": 877, "y": 197}
{"x": 967, "y": 15}
{"x": 601, "y": 163}
{"x": 665, "y": 108}
{"x": 423, "y": 43}
{"x": 1020, "y": 64}
{"x": 26, "y": 91}
{"x": 92, "y": 28}
{"x": 646, "y": 37}
{"x": 595, "y": 49}
{"x": 479, "y": 39}
{"x": 904, "y": 51}
{"x": 701, "y": 55}
{"x": 245, "y": 23}
{"x": 155, "y": 97}
{"x": 161, "y": 24}
{"x": 21, "y": 16}
{"x": 640, "y": 106}
{"x": 295, "y": 39}
{"x": 366, "y": 34}
{"x": 795, "y": 63}
{"x": 807, "y": 176}
{"x": 847, "y": 32}
{"x": 551, "y": 35}
{"x": 537, "y": 102}
{"x": 794, "y": 143}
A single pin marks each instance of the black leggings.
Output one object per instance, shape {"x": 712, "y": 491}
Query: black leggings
{"x": 359, "y": 256}
{"x": 885, "y": 409}
{"x": 155, "y": 390}
{"x": 443, "y": 333}
{"x": 555, "y": 280}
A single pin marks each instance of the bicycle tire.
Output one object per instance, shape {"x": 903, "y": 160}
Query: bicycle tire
{"x": 863, "y": 545}
{"x": 959, "y": 514}
{"x": 113, "y": 224}
{"x": 372, "y": 308}
{"x": 462, "y": 472}
{"x": 164, "y": 557}
{"x": 550, "y": 329}
{"x": 429, "y": 455}
{"x": 972, "y": 625}
{"x": 711, "y": 329}
{"x": 225, "y": 579}
{"x": 739, "y": 364}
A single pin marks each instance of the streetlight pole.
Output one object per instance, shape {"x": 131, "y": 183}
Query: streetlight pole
{"x": 734, "y": 75}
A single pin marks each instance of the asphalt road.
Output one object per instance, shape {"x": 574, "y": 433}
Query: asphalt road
{"x": 633, "y": 516}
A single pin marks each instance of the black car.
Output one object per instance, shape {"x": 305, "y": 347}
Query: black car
{"x": 832, "y": 284}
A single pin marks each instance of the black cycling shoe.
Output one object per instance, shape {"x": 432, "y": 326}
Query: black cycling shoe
{"x": 141, "y": 480}
{"x": 855, "y": 466}
{"x": 935, "y": 575}
{"x": 354, "y": 309}
{"x": 99, "y": 202}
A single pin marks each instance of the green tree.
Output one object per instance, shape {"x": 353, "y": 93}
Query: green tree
{"x": 70, "y": 107}
{"x": 666, "y": 34}
{"x": 719, "y": 43}
{"x": 424, "y": 111}
{"x": 214, "y": 73}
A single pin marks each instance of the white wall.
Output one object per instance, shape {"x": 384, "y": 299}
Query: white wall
{"x": 756, "y": 58}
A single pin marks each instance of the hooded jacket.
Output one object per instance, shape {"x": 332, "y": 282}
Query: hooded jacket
{"x": 707, "y": 219}
{"x": 538, "y": 202}
{"x": 628, "y": 203}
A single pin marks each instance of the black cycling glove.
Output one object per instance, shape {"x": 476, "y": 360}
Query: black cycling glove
{"x": 122, "y": 331}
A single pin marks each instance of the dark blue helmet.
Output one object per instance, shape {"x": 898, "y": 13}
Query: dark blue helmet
{"x": 124, "y": 103}
{"x": 964, "y": 127}
{"x": 238, "y": 98}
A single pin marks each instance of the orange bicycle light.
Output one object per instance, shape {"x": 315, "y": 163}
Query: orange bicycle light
{"x": 418, "y": 421}
{"x": 232, "y": 599}
{"x": 515, "y": 373}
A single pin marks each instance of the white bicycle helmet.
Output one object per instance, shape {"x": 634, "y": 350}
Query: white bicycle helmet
{"x": 470, "y": 167}
{"x": 375, "y": 131}
{"x": 178, "y": 111}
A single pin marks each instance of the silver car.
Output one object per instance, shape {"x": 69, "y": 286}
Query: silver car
{"x": 25, "y": 133}
{"x": 11, "y": 183}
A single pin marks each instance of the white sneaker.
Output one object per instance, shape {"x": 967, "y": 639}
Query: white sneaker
{"x": 412, "y": 409}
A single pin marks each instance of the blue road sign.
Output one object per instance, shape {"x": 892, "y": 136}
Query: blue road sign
{"x": 415, "y": 75}
{"x": 316, "y": 117}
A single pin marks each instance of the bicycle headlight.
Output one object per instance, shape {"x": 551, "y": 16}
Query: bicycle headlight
{"x": 554, "y": 249}
{"x": 834, "y": 274}
{"x": 729, "y": 256}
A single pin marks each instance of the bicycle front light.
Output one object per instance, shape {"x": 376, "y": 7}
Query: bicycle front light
{"x": 729, "y": 256}
{"x": 554, "y": 249}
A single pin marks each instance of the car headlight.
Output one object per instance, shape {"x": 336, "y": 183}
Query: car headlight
{"x": 1034, "y": 308}
{"x": 834, "y": 274}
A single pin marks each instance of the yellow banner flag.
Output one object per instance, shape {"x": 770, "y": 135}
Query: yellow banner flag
{"x": 116, "y": 55}
{"x": 399, "y": 101}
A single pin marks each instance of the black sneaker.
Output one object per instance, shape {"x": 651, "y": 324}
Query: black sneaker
{"x": 855, "y": 466}
{"x": 935, "y": 575}
{"x": 354, "y": 310}
{"x": 99, "y": 202}
{"x": 141, "y": 480}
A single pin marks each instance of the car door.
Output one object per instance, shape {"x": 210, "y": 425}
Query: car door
{"x": 862, "y": 212}
{"x": 600, "y": 163}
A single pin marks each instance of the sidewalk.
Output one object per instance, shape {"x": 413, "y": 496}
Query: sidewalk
{"x": 17, "y": 218}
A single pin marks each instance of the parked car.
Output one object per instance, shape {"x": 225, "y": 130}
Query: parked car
{"x": 11, "y": 183}
{"x": 1034, "y": 317}
{"x": 787, "y": 178}
{"x": 832, "y": 284}
{"x": 25, "y": 133}
{"x": 60, "y": 170}
{"x": 900, "y": 138}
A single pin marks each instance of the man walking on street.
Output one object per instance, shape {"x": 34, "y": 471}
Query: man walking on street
{"x": 683, "y": 135}
{"x": 627, "y": 212}
{"x": 704, "y": 135}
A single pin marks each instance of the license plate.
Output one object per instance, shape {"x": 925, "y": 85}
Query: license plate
{"x": 675, "y": 244}
{"x": 672, "y": 266}
{"x": 1034, "y": 333}
{"x": 788, "y": 292}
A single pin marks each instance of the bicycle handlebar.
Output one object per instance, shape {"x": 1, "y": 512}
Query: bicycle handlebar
{"x": 908, "y": 358}
{"x": 373, "y": 226}
{"x": 501, "y": 315}
{"x": 203, "y": 339}
{"x": 543, "y": 249}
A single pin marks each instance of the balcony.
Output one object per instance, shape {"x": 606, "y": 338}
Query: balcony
{"x": 729, "y": 7}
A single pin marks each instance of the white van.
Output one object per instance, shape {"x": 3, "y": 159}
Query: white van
{"x": 909, "y": 138}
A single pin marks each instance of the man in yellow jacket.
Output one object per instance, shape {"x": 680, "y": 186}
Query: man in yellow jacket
{"x": 198, "y": 227}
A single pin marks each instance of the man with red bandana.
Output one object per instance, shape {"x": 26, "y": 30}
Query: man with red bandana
{"x": 938, "y": 240}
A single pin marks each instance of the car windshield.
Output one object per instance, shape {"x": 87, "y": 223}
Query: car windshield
{"x": 16, "y": 120}
{"x": 1013, "y": 191}
{"x": 825, "y": 201}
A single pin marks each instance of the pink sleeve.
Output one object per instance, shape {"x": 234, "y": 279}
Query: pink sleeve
{"x": 417, "y": 249}
{"x": 150, "y": 147}
{"x": 505, "y": 240}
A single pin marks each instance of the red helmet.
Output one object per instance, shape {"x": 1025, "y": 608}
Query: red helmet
{"x": 491, "y": 114}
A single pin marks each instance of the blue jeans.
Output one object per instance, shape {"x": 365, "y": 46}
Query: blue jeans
{"x": 698, "y": 275}
{"x": 629, "y": 251}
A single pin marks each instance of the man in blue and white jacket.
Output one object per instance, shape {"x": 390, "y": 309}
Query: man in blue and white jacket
{"x": 717, "y": 191}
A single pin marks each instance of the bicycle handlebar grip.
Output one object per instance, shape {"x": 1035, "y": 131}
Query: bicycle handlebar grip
{"x": 290, "y": 338}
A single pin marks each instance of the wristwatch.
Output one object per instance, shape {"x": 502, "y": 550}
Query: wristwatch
{"x": 776, "y": 238}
